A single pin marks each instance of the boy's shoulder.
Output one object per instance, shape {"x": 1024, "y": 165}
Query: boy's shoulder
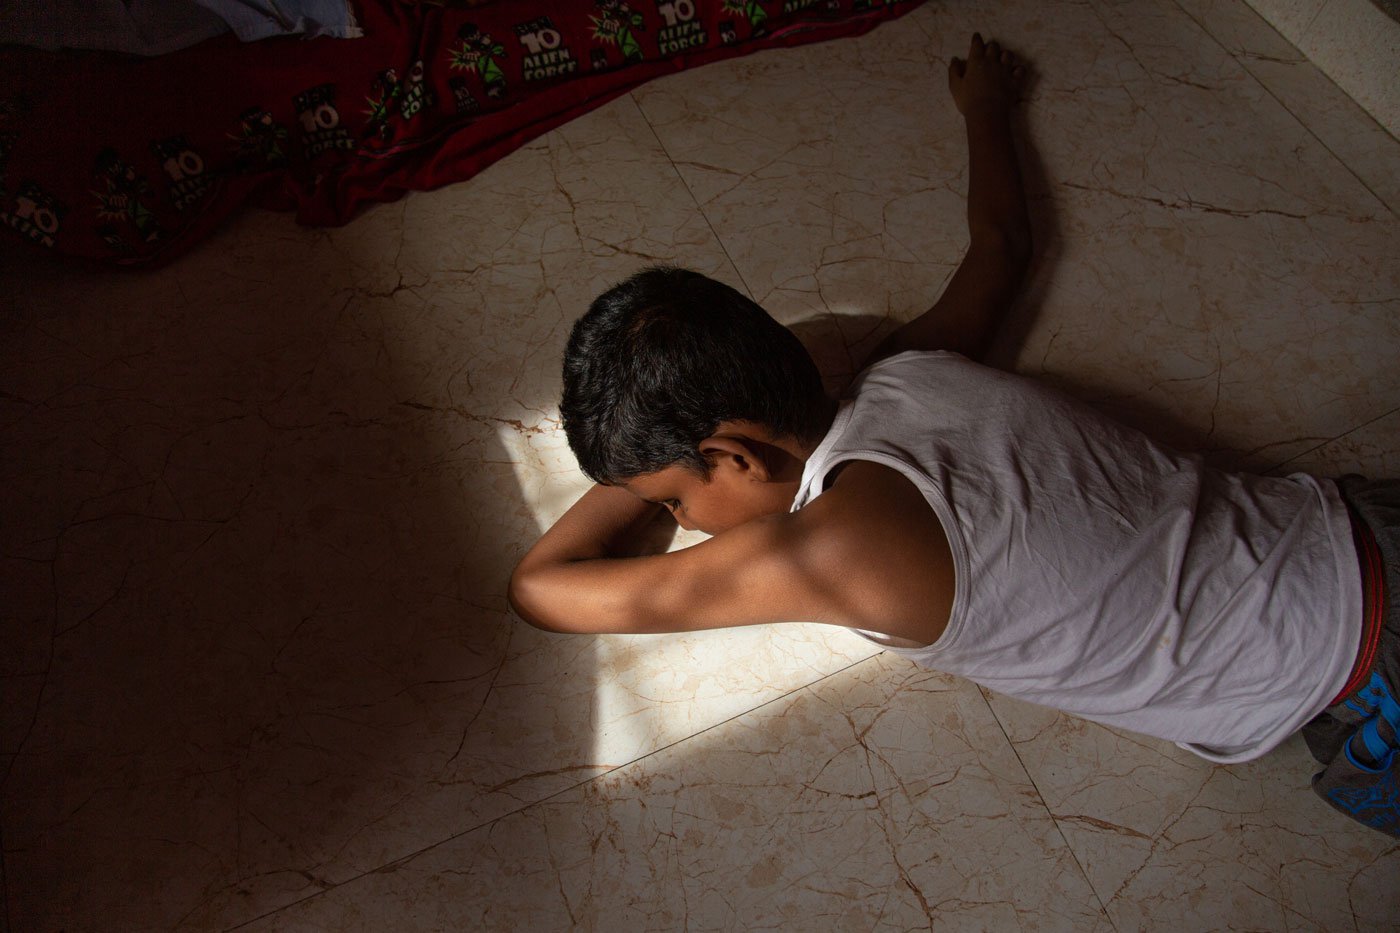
{"x": 873, "y": 538}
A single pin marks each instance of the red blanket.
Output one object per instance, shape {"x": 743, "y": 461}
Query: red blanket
{"x": 133, "y": 160}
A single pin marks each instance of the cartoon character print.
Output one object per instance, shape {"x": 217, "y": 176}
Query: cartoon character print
{"x": 417, "y": 96}
{"x": 462, "y": 96}
{"x": 33, "y": 213}
{"x": 615, "y": 27}
{"x": 478, "y": 53}
{"x": 682, "y": 30}
{"x": 397, "y": 99}
{"x": 381, "y": 108}
{"x": 751, "y": 10}
{"x": 37, "y": 215}
{"x": 123, "y": 200}
{"x": 320, "y": 121}
{"x": 260, "y": 142}
{"x": 546, "y": 56}
{"x": 189, "y": 182}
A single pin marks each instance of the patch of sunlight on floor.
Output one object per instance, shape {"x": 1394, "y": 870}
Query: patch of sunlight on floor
{"x": 549, "y": 478}
{"x": 627, "y": 720}
{"x": 649, "y": 691}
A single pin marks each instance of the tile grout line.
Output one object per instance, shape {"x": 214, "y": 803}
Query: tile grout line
{"x": 1394, "y": 211}
{"x": 1242, "y": 61}
{"x": 407, "y": 857}
{"x": 729, "y": 257}
{"x": 988, "y": 705}
{"x": 1059, "y": 830}
{"x": 632, "y": 96}
{"x": 1332, "y": 440}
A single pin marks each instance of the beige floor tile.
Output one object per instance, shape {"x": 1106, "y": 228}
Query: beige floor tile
{"x": 1226, "y": 290}
{"x": 1372, "y": 450}
{"x": 1358, "y": 45}
{"x": 824, "y": 169}
{"x": 1244, "y": 32}
{"x": 1371, "y": 153}
{"x": 258, "y": 537}
{"x": 884, "y": 797}
{"x": 1292, "y": 17}
{"x": 259, "y": 508}
{"x": 1340, "y": 123}
{"x": 1251, "y": 339}
{"x": 1170, "y": 841}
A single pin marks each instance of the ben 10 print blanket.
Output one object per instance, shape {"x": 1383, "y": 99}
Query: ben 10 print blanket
{"x": 129, "y": 160}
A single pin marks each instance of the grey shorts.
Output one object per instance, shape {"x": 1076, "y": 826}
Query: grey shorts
{"x": 1356, "y": 738}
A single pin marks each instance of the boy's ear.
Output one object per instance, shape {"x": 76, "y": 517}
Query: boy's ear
{"x": 737, "y": 453}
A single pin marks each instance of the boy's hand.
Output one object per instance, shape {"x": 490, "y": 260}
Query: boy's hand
{"x": 988, "y": 80}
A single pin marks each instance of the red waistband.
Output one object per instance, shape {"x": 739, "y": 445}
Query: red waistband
{"x": 1368, "y": 555}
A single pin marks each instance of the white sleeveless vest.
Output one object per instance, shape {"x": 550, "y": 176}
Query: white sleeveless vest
{"x": 1103, "y": 574}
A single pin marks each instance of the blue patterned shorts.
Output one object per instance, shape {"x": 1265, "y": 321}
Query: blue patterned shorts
{"x": 1356, "y": 738}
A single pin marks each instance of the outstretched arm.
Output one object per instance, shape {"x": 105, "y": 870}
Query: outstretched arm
{"x": 967, "y": 315}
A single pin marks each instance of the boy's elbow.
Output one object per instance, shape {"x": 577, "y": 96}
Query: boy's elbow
{"x": 567, "y": 598}
{"x": 526, "y": 597}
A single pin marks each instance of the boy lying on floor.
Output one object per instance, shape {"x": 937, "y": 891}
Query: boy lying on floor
{"x": 970, "y": 519}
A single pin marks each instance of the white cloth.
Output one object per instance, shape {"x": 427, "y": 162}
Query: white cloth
{"x": 155, "y": 27}
{"x": 1100, "y": 573}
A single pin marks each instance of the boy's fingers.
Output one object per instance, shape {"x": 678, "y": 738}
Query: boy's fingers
{"x": 976, "y": 47}
{"x": 956, "y": 68}
{"x": 993, "y": 50}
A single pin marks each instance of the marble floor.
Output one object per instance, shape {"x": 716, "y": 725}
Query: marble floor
{"x": 259, "y": 508}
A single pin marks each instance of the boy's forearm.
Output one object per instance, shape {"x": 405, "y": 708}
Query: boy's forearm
{"x": 968, "y": 314}
{"x": 601, "y": 524}
{"x": 996, "y": 199}
{"x": 970, "y": 310}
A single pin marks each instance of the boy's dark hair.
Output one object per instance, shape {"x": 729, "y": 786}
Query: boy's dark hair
{"x": 661, "y": 359}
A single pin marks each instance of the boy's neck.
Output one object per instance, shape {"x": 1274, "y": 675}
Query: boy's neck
{"x": 801, "y": 449}
{"x": 785, "y": 456}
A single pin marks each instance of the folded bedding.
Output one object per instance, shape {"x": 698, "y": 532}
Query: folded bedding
{"x": 129, "y": 160}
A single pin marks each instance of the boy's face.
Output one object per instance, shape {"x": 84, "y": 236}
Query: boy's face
{"x": 728, "y": 498}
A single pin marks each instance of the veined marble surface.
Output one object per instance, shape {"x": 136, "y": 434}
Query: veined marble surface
{"x": 259, "y": 508}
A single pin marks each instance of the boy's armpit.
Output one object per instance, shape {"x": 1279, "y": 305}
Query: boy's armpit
{"x": 890, "y": 551}
{"x": 868, "y": 553}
